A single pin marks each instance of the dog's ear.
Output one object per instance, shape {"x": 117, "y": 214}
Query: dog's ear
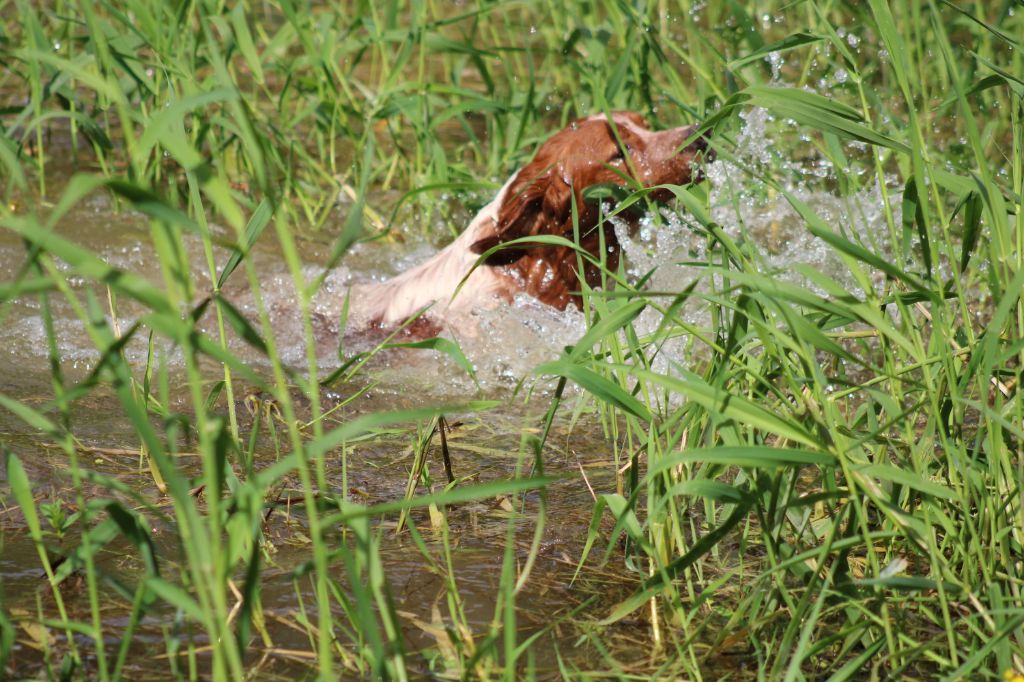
{"x": 537, "y": 202}
{"x": 500, "y": 257}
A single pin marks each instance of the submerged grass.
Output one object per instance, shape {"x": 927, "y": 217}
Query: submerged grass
{"x": 823, "y": 481}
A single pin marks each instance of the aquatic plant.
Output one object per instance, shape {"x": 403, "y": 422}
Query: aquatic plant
{"x": 813, "y": 472}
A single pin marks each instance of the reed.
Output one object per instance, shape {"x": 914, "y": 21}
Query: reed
{"x": 820, "y": 478}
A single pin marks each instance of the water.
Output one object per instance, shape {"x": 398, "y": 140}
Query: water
{"x": 514, "y": 340}
{"x": 504, "y": 343}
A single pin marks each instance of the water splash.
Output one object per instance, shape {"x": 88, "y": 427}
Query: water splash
{"x": 504, "y": 343}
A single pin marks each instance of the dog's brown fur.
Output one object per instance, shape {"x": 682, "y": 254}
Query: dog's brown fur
{"x": 539, "y": 200}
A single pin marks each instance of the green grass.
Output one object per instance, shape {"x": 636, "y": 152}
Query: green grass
{"x": 824, "y": 485}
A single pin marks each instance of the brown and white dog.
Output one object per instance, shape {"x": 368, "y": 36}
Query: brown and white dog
{"x": 538, "y": 200}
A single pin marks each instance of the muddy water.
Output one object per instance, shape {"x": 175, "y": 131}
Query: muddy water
{"x": 504, "y": 346}
{"x": 375, "y": 473}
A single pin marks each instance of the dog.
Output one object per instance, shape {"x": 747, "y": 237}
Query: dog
{"x": 539, "y": 200}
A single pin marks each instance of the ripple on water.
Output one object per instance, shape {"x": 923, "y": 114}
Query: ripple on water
{"x": 504, "y": 343}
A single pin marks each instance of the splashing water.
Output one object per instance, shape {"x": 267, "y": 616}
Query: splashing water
{"x": 504, "y": 343}
{"x": 670, "y": 243}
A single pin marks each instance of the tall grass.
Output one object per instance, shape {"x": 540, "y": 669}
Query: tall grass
{"x": 824, "y": 484}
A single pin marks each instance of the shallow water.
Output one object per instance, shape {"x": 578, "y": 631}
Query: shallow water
{"x": 483, "y": 448}
{"x": 504, "y": 344}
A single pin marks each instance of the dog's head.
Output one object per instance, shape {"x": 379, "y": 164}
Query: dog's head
{"x": 592, "y": 151}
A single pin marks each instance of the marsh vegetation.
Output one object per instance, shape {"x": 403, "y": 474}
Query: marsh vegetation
{"x": 787, "y": 444}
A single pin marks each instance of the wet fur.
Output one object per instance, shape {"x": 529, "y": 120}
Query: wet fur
{"x": 538, "y": 200}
